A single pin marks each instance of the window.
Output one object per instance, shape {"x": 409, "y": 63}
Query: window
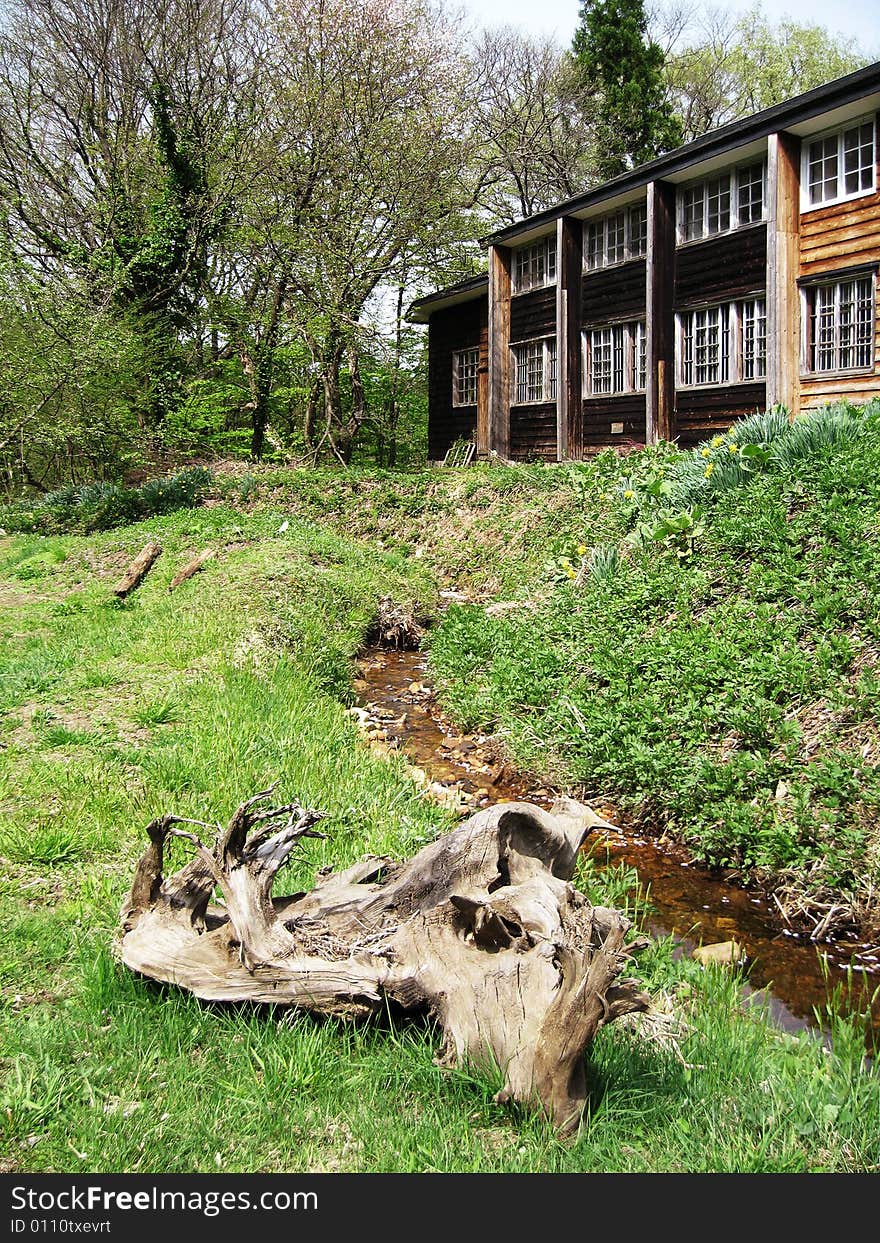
{"x": 720, "y": 204}
{"x": 839, "y": 324}
{"x": 465, "y": 364}
{"x": 753, "y": 328}
{"x": 535, "y": 377}
{"x": 839, "y": 165}
{"x": 616, "y": 238}
{"x": 534, "y": 266}
{"x": 615, "y": 359}
{"x": 723, "y": 344}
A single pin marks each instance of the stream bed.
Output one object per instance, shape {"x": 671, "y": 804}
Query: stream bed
{"x": 787, "y": 973}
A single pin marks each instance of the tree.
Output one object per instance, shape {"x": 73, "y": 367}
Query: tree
{"x": 623, "y": 68}
{"x": 533, "y": 129}
{"x": 365, "y": 145}
{"x": 122, "y": 126}
{"x": 720, "y": 67}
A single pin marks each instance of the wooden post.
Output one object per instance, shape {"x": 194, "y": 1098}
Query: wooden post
{"x": 660, "y": 393}
{"x": 569, "y": 284}
{"x": 499, "y": 350}
{"x": 783, "y": 269}
{"x": 482, "y": 433}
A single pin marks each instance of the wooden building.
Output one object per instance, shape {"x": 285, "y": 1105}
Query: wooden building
{"x": 732, "y": 274}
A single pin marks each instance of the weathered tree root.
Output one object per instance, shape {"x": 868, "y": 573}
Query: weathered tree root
{"x": 481, "y": 928}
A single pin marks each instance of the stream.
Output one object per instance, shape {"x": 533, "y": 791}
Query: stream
{"x": 786, "y": 973}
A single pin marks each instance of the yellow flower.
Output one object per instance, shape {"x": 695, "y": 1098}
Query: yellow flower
{"x": 705, "y": 452}
{"x": 582, "y": 548}
{"x": 716, "y": 441}
{"x": 603, "y": 496}
{"x": 733, "y": 448}
{"x": 570, "y": 572}
{"x": 628, "y": 493}
{"x": 708, "y": 471}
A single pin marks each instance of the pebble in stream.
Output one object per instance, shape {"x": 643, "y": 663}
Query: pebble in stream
{"x": 789, "y": 974}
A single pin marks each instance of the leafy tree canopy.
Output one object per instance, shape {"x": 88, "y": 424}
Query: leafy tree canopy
{"x": 623, "y": 66}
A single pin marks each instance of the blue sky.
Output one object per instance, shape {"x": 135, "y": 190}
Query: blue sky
{"x": 854, "y": 18}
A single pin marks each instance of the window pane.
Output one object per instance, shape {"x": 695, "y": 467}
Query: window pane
{"x": 600, "y": 360}
{"x": 754, "y": 339}
{"x": 521, "y": 270}
{"x": 858, "y": 159}
{"x": 693, "y": 213}
{"x": 710, "y": 350}
{"x": 550, "y": 388}
{"x": 750, "y": 193}
{"x": 822, "y": 169}
{"x": 687, "y": 362}
{"x": 550, "y": 247}
{"x": 535, "y": 364}
{"x": 718, "y": 205}
{"x": 616, "y": 235}
{"x": 841, "y": 321}
{"x": 465, "y": 388}
{"x": 595, "y": 244}
{"x": 638, "y": 231}
{"x": 620, "y": 340}
{"x": 864, "y": 322}
{"x": 823, "y": 328}
{"x": 640, "y": 356}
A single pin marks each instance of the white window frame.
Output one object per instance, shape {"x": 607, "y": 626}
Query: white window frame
{"x": 626, "y": 340}
{"x": 465, "y": 375}
{"x": 520, "y": 353}
{"x": 602, "y": 225}
{"x": 842, "y": 195}
{"x": 703, "y": 185}
{"x": 540, "y": 254}
{"x": 741, "y": 343}
{"x": 835, "y": 285}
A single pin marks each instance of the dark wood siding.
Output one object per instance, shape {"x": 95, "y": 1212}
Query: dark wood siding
{"x": 722, "y": 267}
{"x": 601, "y": 412}
{"x": 456, "y": 328}
{"x": 616, "y": 293}
{"x": 533, "y": 314}
{"x": 533, "y": 432}
{"x": 702, "y": 412}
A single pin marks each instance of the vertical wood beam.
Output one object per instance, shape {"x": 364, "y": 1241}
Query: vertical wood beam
{"x": 499, "y": 350}
{"x": 660, "y": 292}
{"x": 482, "y": 433}
{"x": 783, "y": 269}
{"x": 569, "y": 283}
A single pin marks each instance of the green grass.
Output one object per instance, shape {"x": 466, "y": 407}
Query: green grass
{"x": 191, "y": 701}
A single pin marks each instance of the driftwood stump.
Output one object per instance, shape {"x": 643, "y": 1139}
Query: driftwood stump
{"x": 482, "y": 929}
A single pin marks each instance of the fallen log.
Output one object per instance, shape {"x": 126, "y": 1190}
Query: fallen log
{"x": 482, "y": 929}
{"x": 138, "y": 570}
{"x": 191, "y": 568}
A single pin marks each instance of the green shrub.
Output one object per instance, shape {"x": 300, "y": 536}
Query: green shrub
{"x": 100, "y": 506}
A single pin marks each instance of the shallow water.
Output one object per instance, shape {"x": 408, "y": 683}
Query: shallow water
{"x": 790, "y": 975}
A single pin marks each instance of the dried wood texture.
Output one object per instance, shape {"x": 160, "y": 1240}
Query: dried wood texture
{"x": 482, "y": 929}
{"x": 191, "y": 568}
{"x": 395, "y": 626}
{"x": 138, "y": 570}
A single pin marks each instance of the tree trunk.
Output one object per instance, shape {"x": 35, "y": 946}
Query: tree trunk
{"x": 481, "y": 929}
{"x": 264, "y": 372}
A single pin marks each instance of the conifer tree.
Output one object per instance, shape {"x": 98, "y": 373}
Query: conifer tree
{"x": 621, "y": 66}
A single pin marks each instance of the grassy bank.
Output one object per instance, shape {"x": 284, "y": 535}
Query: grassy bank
{"x": 694, "y": 636}
{"x": 190, "y": 701}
